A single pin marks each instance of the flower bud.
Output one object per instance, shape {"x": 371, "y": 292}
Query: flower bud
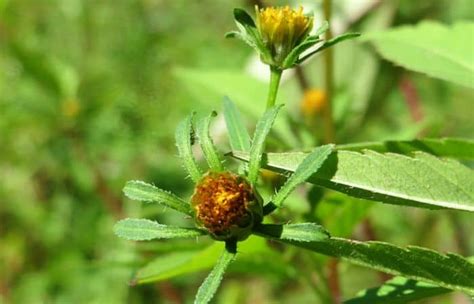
{"x": 282, "y": 29}
{"x": 226, "y": 205}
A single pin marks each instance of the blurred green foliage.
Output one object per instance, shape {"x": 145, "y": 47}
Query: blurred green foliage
{"x": 90, "y": 93}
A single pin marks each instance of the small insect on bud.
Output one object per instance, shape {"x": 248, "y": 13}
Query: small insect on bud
{"x": 226, "y": 205}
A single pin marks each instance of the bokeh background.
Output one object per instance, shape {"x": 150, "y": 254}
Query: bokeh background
{"x": 90, "y": 94}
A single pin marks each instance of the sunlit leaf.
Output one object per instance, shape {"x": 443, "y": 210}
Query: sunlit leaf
{"x": 238, "y": 135}
{"x": 207, "y": 145}
{"x": 143, "y": 229}
{"x": 184, "y": 140}
{"x": 421, "y": 181}
{"x": 432, "y": 48}
{"x": 141, "y": 191}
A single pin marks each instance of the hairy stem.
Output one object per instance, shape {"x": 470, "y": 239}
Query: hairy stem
{"x": 329, "y": 133}
{"x": 275, "y": 76}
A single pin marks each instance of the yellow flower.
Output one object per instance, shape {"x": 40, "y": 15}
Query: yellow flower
{"x": 313, "y": 102}
{"x": 282, "y": 28}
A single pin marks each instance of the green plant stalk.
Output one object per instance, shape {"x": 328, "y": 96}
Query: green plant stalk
{"x": 275, "y": 76}
{"x": 329, "y": 133}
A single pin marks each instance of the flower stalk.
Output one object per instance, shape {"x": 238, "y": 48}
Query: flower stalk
{"x": 275, "y": 76}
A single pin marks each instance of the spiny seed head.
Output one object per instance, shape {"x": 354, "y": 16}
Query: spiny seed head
{"x": 282, "y": 28}
{"x": 226, "y": 205}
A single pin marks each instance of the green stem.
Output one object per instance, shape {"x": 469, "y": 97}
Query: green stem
{"x": 275, "y": 76}
{"x": 329, "y": 132}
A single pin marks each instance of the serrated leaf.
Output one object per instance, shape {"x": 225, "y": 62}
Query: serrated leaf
{"x": 448, "y": 147}
{"x": 258, "y": 142}
{"x": 449, "y": 271}
{"x": 143, "y": 230}
{"x": 238, "y": 136}
{"x": 141, "y": 191}
{"x": 330, "y": 43}
{"x": 421, "y": 181}
{"x": 302, "y": 232}
{"x": 213, "y": 280}
{"x": 207, "y": 146}
{"x": 184, "y": 140}
{"x": 432, "y": 48}
{"x": 398, "y": 290}
{"x": 312, "y": 162}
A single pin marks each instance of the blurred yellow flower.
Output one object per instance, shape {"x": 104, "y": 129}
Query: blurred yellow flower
{"x": 313, "y": 102}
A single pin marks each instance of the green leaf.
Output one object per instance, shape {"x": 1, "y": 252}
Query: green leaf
{"x": 398, "y": 290}
{"x": 258, "y": 143}
{"x": 312, "y": 162}
{"x": 449, "y": 271}
{"x": 322, "y": 29}
{"x": 448, "y": 147}
{"x": 304, "y": 232}
{"x": 238, "y": 136}
{"x": 207, "y": 146}
{"x": 173, "y": 264}
{"x": 143, "y": 230}
{"x": 330, "y": 43}
{"x": 184, "y": 140}
{"x": 292, "y": 57}
{"x": 141, "y": 191}
{"x": 242, "y": 17}
{"x": 213, "y": 280}
{"x": 421, "y": 181}
{"x": 432, "y": 48}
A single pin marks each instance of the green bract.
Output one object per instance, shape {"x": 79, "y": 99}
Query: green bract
{"x": 225, "y": 205}
{"x": 281, "y": 35}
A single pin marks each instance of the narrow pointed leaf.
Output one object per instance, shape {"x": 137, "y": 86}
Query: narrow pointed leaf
{"x": 143, "y": 230}
{"x": 303, "y": 232}
{"x": 322, "y": 29}
{"x": 292, "y": 57}
{"x": 305, "y": 169}
{"x": 449, "y": 271}
{"x": 421, "y": 181}
{"x": 258, "y": 143}
{"x": 449, "y": 147}
{"x": 141, "y": 191}
{"x": 398, "y": 290}
{"x": 211, "y": 283}
{"x": 184, "y": 140}
{"x": 207, "y": 146}
{"x": 242, "y": 17}
{"x": 330, "y": 43}
{"x": 238, "y": 136}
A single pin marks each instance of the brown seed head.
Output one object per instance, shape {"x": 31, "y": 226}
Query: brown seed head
{"x": 221, "y": 201}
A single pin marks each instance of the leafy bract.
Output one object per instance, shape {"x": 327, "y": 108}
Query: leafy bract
{"x": 258, "y": 142}
{"x": 398, "y": 290}
{"x": 301, "y": 232}
{"x": 213, "y": 280}
{"x": 184, "y": 141}
{"x": 141, "y": 191}
{"x": 238, "y": 136}
{"x": 421, "y": 181}
{"x": 432, "y": 48}
{"x": 207, "y": 145}
{"x": 305, "y": 169}
{"x": 449, "y": 271}
{"x": 448, "y": 147}
{"x": 143, "y": 229}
